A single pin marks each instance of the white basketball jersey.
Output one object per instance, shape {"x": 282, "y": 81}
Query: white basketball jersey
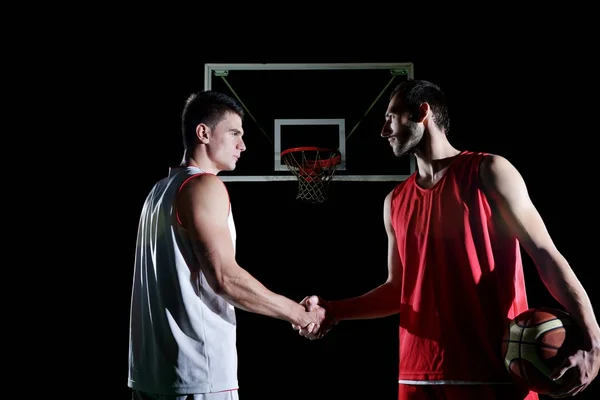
{"x": 182, "y": 335}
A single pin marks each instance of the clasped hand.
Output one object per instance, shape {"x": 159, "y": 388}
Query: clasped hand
{"x": 325, "y": 318}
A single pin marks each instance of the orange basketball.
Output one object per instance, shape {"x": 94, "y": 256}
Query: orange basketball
{"x": 535, "y": 342}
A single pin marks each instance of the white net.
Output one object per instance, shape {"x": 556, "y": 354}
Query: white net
{"x": 314, "y": 168}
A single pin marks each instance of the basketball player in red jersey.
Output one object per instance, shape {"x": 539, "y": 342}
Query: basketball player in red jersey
{"x": 454, "y": 265}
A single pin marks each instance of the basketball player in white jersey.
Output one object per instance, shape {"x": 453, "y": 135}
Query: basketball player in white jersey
{"x": 186, "y": 279}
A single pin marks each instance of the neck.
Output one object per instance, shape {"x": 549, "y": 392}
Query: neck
{"x": 198, "y": 161}
{"x": 434, "y": 155}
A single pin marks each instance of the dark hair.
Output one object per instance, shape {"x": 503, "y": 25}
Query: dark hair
{"x": 416, "y": 92}
{"x": 206, "y": 107}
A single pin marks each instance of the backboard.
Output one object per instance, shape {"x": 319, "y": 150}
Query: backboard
{"x": 340, "y": 106}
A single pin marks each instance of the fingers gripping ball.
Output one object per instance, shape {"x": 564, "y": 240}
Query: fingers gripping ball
{"x": 535, "y": 343}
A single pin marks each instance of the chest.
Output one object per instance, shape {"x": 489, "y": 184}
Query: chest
{"x": 441, "y": 213}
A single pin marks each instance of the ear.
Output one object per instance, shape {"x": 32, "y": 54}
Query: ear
{"x": 424, "y": 111}
{"x": 202, "y": 133}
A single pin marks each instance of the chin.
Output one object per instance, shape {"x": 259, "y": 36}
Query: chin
{"x": 227, "y": 167}
{"x": 406, "y": 149}
{"x": 399, "y": 152}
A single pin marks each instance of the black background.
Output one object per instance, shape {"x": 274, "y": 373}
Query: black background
{"x": 525, "y": 94}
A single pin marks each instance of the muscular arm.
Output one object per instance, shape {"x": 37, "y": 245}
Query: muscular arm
{"x": 384, "y": 299}
{"x": 507, "y": 190}
{"x": 203, "y": 207}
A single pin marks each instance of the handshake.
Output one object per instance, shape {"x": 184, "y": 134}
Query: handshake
{"x": 318, "y": 318}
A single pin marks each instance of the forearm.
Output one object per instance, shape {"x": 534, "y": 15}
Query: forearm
{"x": 564, "y": 286}
{"x": 380, "y": 302}
{"x": 245, "y": 292}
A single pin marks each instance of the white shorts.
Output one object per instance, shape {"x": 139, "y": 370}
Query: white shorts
{"x": 225, "y": 395}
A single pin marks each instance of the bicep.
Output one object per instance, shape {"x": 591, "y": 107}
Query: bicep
{"x": 505, "y": 186}
{"x": 394, "y": 262}
{"x": 203, "y": 207}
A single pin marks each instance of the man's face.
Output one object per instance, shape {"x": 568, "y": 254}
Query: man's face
{"x": 403, "y": 134}
{"x": 225, "y": 143}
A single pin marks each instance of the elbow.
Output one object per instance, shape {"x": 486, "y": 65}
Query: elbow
{"x": 216, "y": 279}
{"x": 220, "y": 285}
{"x": 392, "y": 295}
{"x": 219, "y": 270}
{"x": 223, "y": 289}
{"x": 393, "y": 283}
{"x": 549, "y": 262}
{"x": 556, "y": 273}
{"x": 224, "y": 283}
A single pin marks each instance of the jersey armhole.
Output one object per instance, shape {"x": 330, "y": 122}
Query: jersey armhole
{"x": 188, "y": 179}
{"x": 480, "y": 184}
{"x": 481, "y": 159}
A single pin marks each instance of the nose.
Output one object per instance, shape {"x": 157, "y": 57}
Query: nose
{"x": 386, "y": 131}
{"x": 242, "y": 145}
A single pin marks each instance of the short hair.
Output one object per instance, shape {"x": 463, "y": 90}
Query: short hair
{"x": 206, "y": 107}
{"x": 416, "y": 92}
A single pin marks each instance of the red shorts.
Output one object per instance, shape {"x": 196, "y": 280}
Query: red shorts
{"x": 462, "y": 392}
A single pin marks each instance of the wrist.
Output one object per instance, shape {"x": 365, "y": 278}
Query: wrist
{"x": 297, "y": 315}
{"x": 335, "y": 311}
{"x": 593, "y": 339}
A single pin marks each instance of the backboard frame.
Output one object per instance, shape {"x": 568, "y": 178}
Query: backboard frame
{"x": 221, "y": 69}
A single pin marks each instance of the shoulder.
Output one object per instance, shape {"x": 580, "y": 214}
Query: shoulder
{"x": 392, "y": 194}
{"x": 204, "y": 187}
{"x": 203, "y": 180}
{"x": 396, "y": 193}
{"x": 494, "y": 166}
{"x": 388, "y": 198}
{"x": 498, "y": 174}
{"x": 401, "y": 186}
{"x": 201, "y": 194}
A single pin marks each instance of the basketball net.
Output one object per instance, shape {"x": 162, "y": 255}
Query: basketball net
{"x": 314, "y": 168}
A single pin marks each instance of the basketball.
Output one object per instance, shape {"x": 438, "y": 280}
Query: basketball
{"x": 534, "y": 343}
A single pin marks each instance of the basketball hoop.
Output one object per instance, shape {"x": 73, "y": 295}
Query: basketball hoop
{"x": 314, "y": 167}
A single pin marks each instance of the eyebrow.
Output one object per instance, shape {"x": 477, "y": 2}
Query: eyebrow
{"x": 395, "y": 110}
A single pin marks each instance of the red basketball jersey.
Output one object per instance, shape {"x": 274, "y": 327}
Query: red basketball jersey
{"x": 462, "y": 277}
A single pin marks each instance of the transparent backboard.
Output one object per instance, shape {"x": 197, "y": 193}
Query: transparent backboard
{"x": 339, "y": 106}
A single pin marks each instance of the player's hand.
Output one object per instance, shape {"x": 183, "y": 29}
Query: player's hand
{"x": 578, "y": 370}
{"x": 310, "y": 324}
{"x": 326, "y": 318}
